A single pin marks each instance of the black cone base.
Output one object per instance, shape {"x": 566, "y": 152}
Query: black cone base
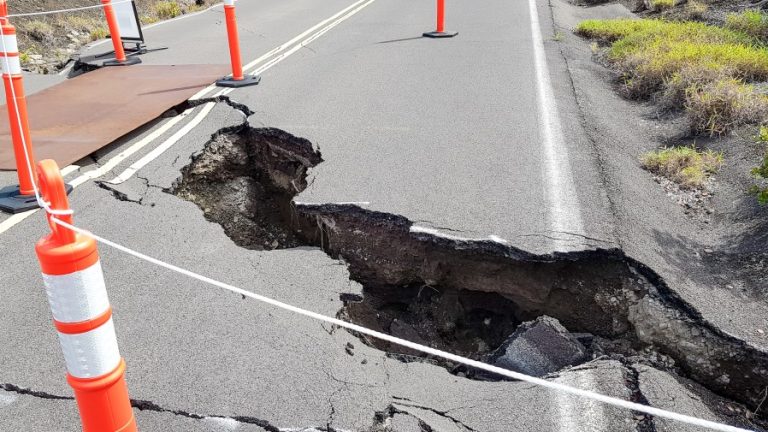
{"x": 12, "y": 202}
{"x": 128, "y": 61}
{"x": 437, "y": 35}
{"x": 249, "y": 80}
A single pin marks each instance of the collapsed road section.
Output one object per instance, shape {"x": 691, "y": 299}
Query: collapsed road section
{"x": 463, "y": 296}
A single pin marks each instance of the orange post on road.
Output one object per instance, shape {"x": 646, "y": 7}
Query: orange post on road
{"x": 114, "y": 33}
{"x": 238, "y": 78}
{"x": 440, "y": 32}
{"x": 16, "y": 199}
{"x": 82, "y": 315}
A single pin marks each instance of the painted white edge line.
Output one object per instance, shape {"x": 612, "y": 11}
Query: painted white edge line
{"x": 164, "y": 146}
{"x": 565, "y": 214}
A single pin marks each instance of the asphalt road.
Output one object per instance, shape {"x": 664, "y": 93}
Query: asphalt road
{"x": 447, "y": 133}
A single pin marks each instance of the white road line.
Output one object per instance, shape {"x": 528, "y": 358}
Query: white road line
{"x": 171, "y": 141}
{"x": 128, "y": 152}
{"x": 15, "y": 219}
{"x": 162, "y": 148}
{"x": 565, "y": 215}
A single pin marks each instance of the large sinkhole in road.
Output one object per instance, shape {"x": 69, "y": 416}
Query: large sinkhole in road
{"x": 460, "y": 296}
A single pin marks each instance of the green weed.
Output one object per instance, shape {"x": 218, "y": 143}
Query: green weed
{"x": 662, "y": 4}
{"x": 99, "y": 33}
{"x": 167, "y": 9}
{"x": 719, "y": 106}
{"x": 686, "y": 166}
{"x": 751, "y": 22}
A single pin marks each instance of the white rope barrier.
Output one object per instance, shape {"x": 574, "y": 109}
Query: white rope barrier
{"x": 53, "y": 12}
{"x": 414, "y": 346}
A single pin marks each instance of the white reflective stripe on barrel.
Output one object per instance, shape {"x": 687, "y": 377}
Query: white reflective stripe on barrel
{"x": 79, "y": 296}
{"x": 91, "y": 354}
{"x": 9, "y": 44}
{"x": 13, "y": 67}
{"x": 229, "y": 2}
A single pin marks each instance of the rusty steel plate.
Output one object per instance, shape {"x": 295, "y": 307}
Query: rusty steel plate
{"x": 71, "y": 120}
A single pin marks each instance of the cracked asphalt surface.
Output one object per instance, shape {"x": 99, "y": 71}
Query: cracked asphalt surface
{"x": 441, "y": 132}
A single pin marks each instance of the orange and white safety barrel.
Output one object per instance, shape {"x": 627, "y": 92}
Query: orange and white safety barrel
{"x": 440, "y": 31}
{"x": 114, "y": 33}
{"x": 15, "y": 199}
{"x": 238, "y": 78}
{"x": 82, "y": 315}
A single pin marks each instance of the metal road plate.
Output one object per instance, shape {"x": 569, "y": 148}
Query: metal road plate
{"x": 71, "y": 120}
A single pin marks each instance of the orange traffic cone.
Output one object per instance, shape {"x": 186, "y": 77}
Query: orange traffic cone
{"x": 82, "y": 315}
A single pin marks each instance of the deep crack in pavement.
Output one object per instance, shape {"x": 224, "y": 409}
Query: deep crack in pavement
{"x": 245, "y": 180}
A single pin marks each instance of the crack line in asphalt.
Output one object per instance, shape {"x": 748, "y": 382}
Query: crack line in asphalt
{"x": 144, "y": 405}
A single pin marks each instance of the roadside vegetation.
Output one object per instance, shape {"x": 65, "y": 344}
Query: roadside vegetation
{"x": 47, "y": 43}
{"x": 686, "y": 166}
{"x": 761, "y": 172}
{"x": 715, "y": 75}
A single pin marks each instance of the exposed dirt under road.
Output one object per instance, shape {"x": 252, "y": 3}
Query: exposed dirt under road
{"x": 445, "y": 292}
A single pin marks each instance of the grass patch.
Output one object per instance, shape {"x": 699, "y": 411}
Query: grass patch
{"x": 685, "y": 166}
{"x": 98, "y": 33}
{"x": 751, "y": 22}
{"x": 148, "y": 19}
{"x": 719, "y": 106}
{"x": 647, "y": 30}
{"x": 659, "y": 5}
{"x": 167, "y": 9}
{"x": 694, "y": 66}
{"x": 39, "y": 31}
{"x": 760, "y": 173}
{"x": 81, "y": 23}
{"x": 695, "y": 10}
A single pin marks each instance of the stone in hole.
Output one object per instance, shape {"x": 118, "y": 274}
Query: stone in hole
{"x": 538, "y": 348}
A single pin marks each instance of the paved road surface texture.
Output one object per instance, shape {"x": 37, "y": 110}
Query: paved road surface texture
{"x": 464, "y": 137}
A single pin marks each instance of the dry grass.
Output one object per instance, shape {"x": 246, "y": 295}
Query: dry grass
{"x": 659, "y": 5}
{"x": 760, "y": 173}
{"x": 98, "y": 33}
{"x": 695, "y": 10}
{"x": 719, "y": 106}
{"x": 751, "y": 22}
{"x": 40, "y": 31}
{"x": 686, "y": 166}
{"x": 167, "y": 9}
{"x": 701, "y": 68}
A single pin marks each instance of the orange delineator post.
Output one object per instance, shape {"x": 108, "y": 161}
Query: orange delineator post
{"x": 18, "y": 118}
{"x": 114, "y": 33}
{"x": 82, "y": 315}
{"x": 15, "y": 199}
{"x": 238, "y": 78}
{"x": 440, "y": 16}
{"x": 233, "y": 37}
{"x": 440, "y": 32}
